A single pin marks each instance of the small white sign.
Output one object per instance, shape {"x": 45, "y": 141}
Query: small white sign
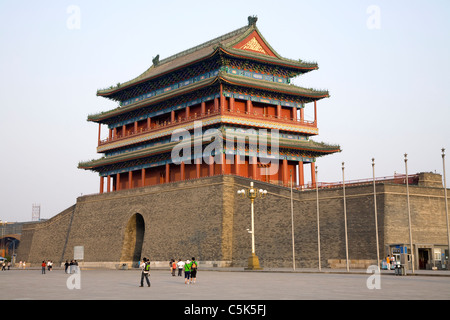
{"x": 78, "y": 252}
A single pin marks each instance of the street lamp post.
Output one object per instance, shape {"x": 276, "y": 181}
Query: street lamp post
{"x": 446, "y": 206}
{"x": 409, "y": 214}
{"x": 292, "y": 227}
{"x": 318, "y": 225}
{"x": 252, "y": 193}
{"x": 3, "y": 223}
{"x": 345, "y": 218}
{"x": 376, "y": 213}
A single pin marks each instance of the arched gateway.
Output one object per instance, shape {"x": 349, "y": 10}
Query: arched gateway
{"x": 132, "y": 240}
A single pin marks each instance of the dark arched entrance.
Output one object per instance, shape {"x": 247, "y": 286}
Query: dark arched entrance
{"x": 133, "y": 240}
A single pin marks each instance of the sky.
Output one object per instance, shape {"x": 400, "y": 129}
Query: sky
{"x": 386, "y": 65}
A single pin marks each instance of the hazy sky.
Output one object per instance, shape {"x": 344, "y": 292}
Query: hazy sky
{"x": 386, "y": 65}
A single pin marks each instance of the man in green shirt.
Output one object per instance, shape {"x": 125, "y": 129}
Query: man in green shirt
{"x": 187, "y": 271}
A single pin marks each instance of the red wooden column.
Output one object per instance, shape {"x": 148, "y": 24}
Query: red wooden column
{"x": 149, "y": 123}
{"x": 302, "y": 115}
{"x": 130, "y": 179}
{"x": 101, "y": 184}
{"x": 231, "y": 104}
{"x": 167, "y": 172}
{"x": 313, "y": 174}
{"x": 315, "y": 113}
{"x": 203, "y": 108}
{"x": 172, "y": 116}
{"x": 222, "y": 101}
{"x": 249, "y": 106}
{"x": 216, "y": 105}
{"x": 108, "y": 184}
{"x": 301, "y": 174}
{"x": 182, "y": 171}
{"x": 135, "y": 127}
{"x": 236, "y": 164}
{"x": 279, "y": 111}
{"x": 294, "y": 113}
{"x": 188, "y": 112}
{"x": 118, "y": 181}
{"x": 222, "y": 165}
{"x": 285, "y": 172}
{"x": 254, "y": 167}
{"x": 143, "y": 177}
{"x": 197, "y": 167}
{"x": 99, "y": 132}
{"x": 211, "y": 166}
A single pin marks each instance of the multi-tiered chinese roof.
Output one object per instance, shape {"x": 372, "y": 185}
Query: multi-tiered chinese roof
{"x": 234, "y": 83}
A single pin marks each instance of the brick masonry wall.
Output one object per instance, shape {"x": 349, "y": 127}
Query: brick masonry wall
{"x": 428, "y": 219}
{"x": 206, "y": 218}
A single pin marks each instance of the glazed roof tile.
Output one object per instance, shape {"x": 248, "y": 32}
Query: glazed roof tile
{"x": 207, "y": 49}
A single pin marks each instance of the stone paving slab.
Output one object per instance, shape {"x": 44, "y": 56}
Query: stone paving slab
{"x": 220, "y": 285}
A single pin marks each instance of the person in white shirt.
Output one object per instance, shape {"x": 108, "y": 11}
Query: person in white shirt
{"x": 180, "y": 266}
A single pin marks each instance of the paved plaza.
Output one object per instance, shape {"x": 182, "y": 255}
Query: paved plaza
{"x": 231, "y": 284}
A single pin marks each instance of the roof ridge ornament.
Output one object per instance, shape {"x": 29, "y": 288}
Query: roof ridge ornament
{"x": 156, "y": 60}
{"x": 252, "y": 20}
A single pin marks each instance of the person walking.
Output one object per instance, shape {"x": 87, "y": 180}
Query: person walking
{"x": 66, "y": 266}
{"x": 43, "y": 265}
{"x": 145, "y": 267}
{"x": 194, "y": 266}
{"x": 180, "y": 266}
{"x": 173, "y": 267}
{"x": 187, "y": 271}
{"x": 392, "y": 260}
{"x": 49, "y": 265}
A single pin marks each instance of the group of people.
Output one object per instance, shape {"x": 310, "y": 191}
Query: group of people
{"x": 71, "y": 267}
{"x": 46, "y": 265}
{"x": 189, "y": 267}
{"x": 4, "y": 265}
{"x": 390, "y": 262}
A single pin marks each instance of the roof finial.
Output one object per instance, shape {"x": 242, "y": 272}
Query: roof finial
{"x": 156, "y": 60}
{"x": 252, "y": 20}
